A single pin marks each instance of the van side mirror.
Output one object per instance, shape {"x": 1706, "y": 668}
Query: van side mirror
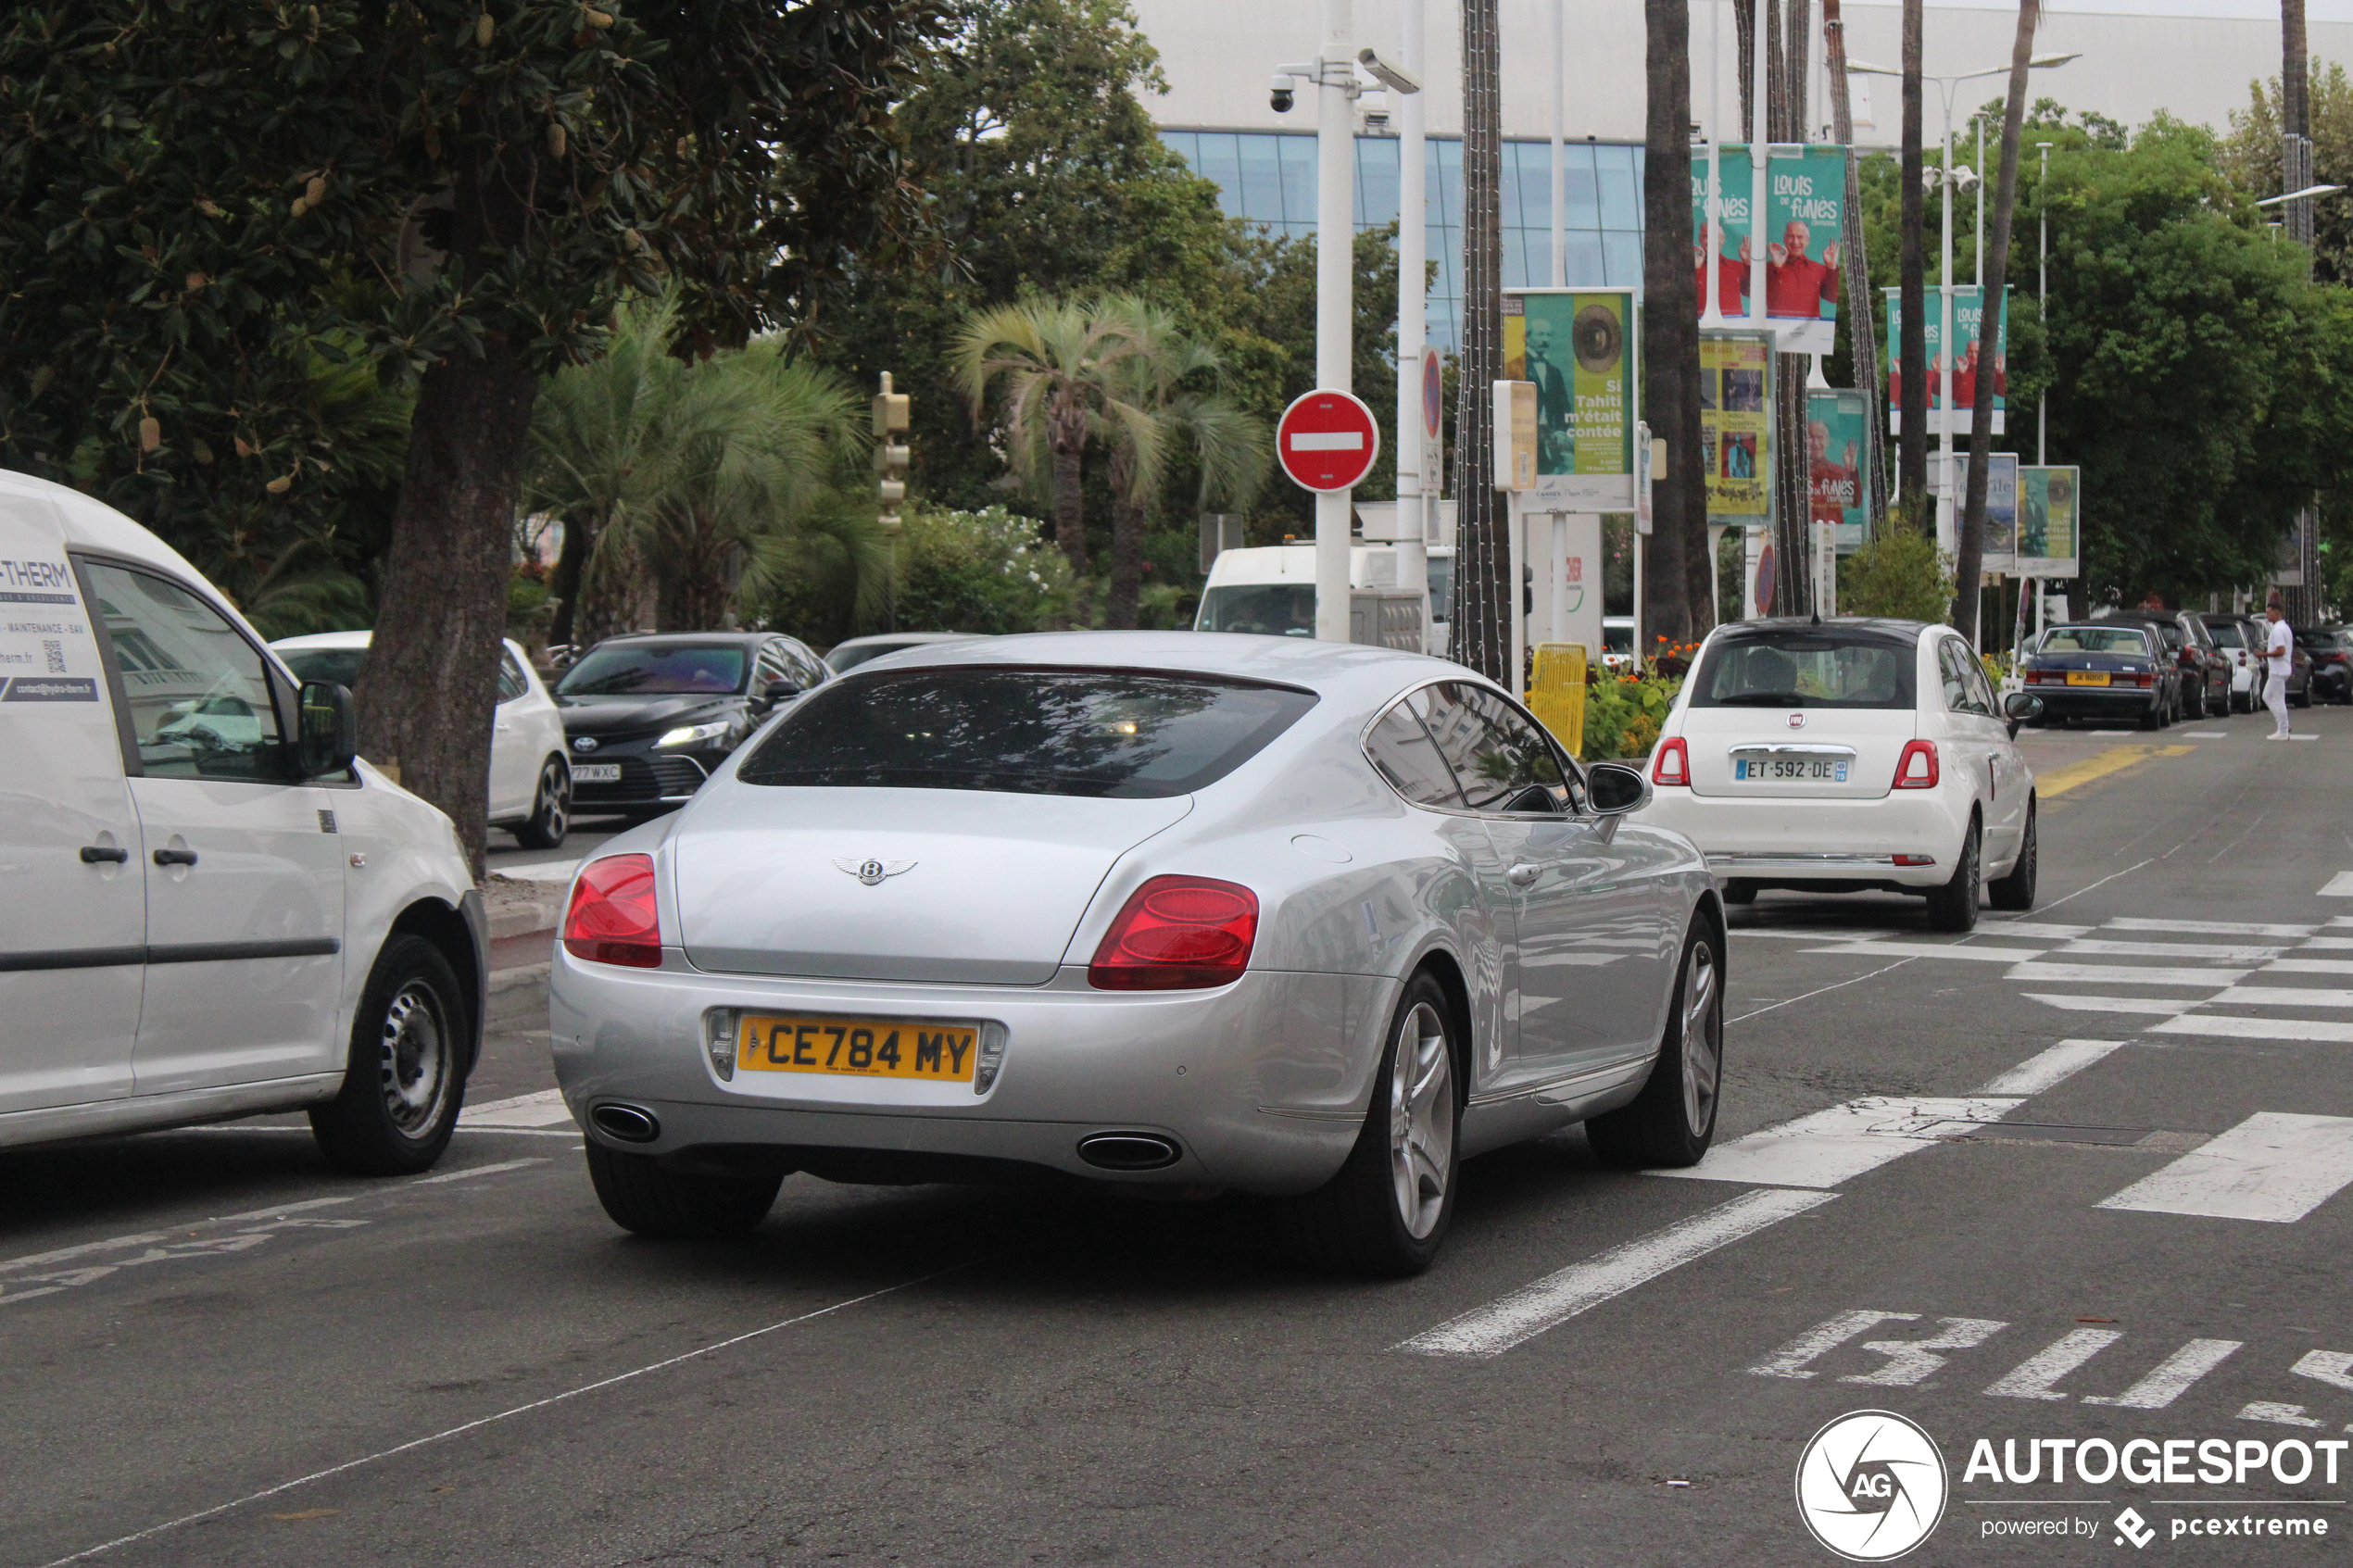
{"x": 327, "y": 735}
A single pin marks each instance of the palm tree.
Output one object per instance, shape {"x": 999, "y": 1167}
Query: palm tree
{"x": 1056, "y": 361}
{"x": 1167, "y": 396}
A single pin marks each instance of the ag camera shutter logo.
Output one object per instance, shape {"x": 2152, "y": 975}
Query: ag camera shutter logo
{"x": 1871, "y": 1486}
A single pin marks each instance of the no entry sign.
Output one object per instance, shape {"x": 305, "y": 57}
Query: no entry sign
{"x": 1326, "y": 441}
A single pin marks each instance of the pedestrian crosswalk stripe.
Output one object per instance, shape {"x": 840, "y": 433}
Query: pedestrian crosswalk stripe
{"x": 2031, "y": 928}
{"x": 2046, "y": 1069}
{"x": 2208, "y": 927}
{"x": 2172, "y": 950}
{"x": 2326, "y": 944}
{"x": 2126, "y": 974}
{"x": 2274, "y": 1167}
{"x": 1927, "y": 950}
{"x": 2308, "y": 966}
{"x": 2340, "y": 886}
{"x": 1842, "y": 1142}
{"x": 2281, "y": 996}
{"x": 2315, "y": 1029}
{"x": 2160, "y": 1005}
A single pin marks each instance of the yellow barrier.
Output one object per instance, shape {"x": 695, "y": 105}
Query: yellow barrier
{"x": 1557, "y": 693}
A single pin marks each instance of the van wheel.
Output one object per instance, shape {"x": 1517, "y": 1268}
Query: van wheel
{"x": 2016, "y": 891}
{"x": 1671, "y": 1122}
{"x": 1953, "y": 906}
{"x": 550, "y": 818}
{"x": 1387, "y": 1212}
{"x": 406, "y": 1076}
{"x": 640, "y": 1196}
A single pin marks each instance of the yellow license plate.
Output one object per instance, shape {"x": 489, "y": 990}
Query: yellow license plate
{"x": 858, "y": 1047}
{"x": 2087, "y": 678}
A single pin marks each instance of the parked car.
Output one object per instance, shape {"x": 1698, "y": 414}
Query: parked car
{"x": 2205, "y": 668}
{"x": 648, "y": 718}
{"x": 2234, "y": 637}
{"x": 214, "y": 908}
{"x": 1837, "y": 755}
{"x": 2331, "y": 676}
{"x": 2107, "y": 671}
{"x": 844, "y": 657}
{"x": 530, "y": 781}
{"x": 1161, "y": 911}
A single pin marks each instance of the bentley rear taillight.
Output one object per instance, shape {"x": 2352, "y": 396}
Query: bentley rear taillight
{"x": 612, "y": 918}
{"x": 1178, "y": 934}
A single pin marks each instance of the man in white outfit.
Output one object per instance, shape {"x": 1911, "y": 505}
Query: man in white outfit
{"x": 2280, "y": 657}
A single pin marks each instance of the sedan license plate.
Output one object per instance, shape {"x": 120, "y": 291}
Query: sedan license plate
{"x": 596, "y": 772}
{"x": 2087, "y": 677}
{"x": 942, "y": 1053}
{"x": 1798, "y": 770}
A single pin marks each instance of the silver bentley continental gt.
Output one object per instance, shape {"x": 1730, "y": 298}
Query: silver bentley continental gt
{"x": 1191, "y": 912}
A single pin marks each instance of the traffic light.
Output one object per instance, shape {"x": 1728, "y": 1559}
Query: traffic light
{"x": 890, "y": 453}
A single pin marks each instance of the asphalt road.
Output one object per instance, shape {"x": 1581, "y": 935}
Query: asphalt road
{"x": 2074, "y": 1177}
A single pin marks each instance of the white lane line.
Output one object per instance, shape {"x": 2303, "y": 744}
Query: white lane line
{"x": 2128, "y": 974}
{"x": 1529, "y": 1310}
{"x": 469, "y": 1174}
{"x": 2318, "y": 1029}
{"x": 2171, "y": 950}
{"x": 1812, "y": 936}
{"x": 2340, "y": 886}
{"x": 2163, "y": 1006}
{"x": 2208, "y": 927}
{"x": 2308, "y": 966}
{"x": 2205, "y": 735}
{"x": 2030, "y": 928}
{"x": 1929, "y": 950}
{"x": 542, "y": 1109}
{"x": 479, "y": 1422}
{"x": 2170, "y": 1376}
{"x": 1821, "y": 990}
{"x": 2280, "y": 996}
{"x": 2032, "y": 1377}
{"x": 2101, "y": 883}
{"x": 2050, "y": 1068}
{"x": 2272, "y": 1167}
{"x": 175, "y": 1233}
{"x": 1841, "y": 1143}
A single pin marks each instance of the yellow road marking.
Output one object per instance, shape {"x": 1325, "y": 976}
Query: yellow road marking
{"x": 2115, "y": 759}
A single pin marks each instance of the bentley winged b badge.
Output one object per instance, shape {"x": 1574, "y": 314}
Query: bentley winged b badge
{"x": 871, "y": 872}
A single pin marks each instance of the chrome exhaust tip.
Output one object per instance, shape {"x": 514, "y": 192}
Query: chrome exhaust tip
{"x": 626, "y": 1123}
{"x": 1129, "y": 1151}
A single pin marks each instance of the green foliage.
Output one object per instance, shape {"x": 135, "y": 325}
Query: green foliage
{"x": 1899, "y": 575}
{"x": 1624, "y": 714}
{"x": 991, "y": 572}
{"x": 2250, "y": 158}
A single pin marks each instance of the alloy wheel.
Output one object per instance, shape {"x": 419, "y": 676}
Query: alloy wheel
{"x": 555, "y": 799}
{"x": 1421, "y": 1119}
{"x": 1703, "y": 1039}
{"x": 414, "y": 1067}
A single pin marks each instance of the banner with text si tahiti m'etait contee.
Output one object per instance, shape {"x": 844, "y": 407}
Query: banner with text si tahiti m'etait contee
{"x": 1806, "y": 199}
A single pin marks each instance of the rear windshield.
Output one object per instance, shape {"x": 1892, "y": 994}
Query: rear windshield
{"x": 655, "y": 669}
{"x": 1806, "y": 667}
{"x": 1275, "y": 609}
{"x": 2226, "y": 633}
{"x": 1106, "y": 733}
{"x": 2096, "y": 639}
{"x": 340, "y": 666}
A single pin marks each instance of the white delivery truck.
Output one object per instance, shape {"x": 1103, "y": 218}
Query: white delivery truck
{"x": 1271, "y": 591}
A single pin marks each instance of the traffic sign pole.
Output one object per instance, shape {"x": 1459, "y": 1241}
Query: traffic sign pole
{"x": 1335, "y": 254}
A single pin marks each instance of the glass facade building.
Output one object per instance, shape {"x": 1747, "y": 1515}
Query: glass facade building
{"x": 1269, "y": 178}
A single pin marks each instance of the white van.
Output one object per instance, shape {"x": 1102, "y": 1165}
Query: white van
{"x": 214, "y": 909}
{"x": 1271, "y": 590}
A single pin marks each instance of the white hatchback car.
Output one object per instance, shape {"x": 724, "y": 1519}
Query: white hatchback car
{"x": 530, "y": 780}
{"x": 1839, "y": 756}
{"x": 214, "y": 909}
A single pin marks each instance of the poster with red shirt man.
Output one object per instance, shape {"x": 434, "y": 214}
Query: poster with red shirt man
{"x": 1806, "y": 202}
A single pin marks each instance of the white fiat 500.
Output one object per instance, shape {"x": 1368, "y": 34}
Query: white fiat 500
{"x": 1840, "y": 755}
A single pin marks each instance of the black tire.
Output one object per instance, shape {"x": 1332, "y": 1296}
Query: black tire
{"x": 2243, "y": 702}
{"x": 1738, "y": 891}
{"x": 2193, "y": 704}
{"x": 1358, "y": 1221}
{"x": 642, "y": 1197}
{"x": 2016, "y": 892}
{"x": 550, "y": 819}
{"x": 1953, "y": 906}
{"x": 1671, "y": 1122}
{"x": 2154, "y": 718}
{"x": 411, "y": 1044}
{"x": 2303, "y": 701}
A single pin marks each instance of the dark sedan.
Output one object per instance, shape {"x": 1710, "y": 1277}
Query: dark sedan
{"x": 648, "y": 718}
{"x": 2331, "y": 677}
{"x": 2205, "y": 668}
{"x": 2110, "y": 671}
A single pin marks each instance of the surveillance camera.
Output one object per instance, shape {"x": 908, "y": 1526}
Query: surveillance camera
{"x": 1392, "y": 76}
{"x": 1279, "y": 92}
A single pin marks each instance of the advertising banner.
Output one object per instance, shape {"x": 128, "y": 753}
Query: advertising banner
{"x": 1838, "y": 459}
{"x": 2049, "y": 503}
{"x": 1736, "y": 426}
{"x": 1577, "y": 346}
{"x": 2001, "y": 503}
{"x": 1968, "y": 305}
{"x": 1805, "y": 201}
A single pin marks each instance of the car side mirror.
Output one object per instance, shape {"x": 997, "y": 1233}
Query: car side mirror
{"x": 2018, "y": 706}
{"x": 782, "y": 690}
{"x": 327, "y": 730}
{"x": 1616, "y": 788}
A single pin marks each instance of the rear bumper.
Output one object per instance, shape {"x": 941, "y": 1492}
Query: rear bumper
{"x": 2096, "y": 702}
{"x": 1777, "y": 839}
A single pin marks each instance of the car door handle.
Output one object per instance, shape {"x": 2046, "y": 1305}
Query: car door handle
{"x": 100, "y": 854}
{"x": 1524, "y": 873}
{"x": 175, "y": 857}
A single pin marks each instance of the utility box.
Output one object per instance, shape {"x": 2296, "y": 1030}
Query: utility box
{"x": 1386, "y": 619}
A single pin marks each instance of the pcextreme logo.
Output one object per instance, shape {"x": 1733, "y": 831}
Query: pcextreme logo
{"x": 1871, "y": 1486}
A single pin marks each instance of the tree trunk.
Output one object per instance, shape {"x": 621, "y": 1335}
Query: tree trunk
{"x": 1911, "y": 469}
{"x": 610, "y": 591}
{"x": 1969, "y": 569}
{"x": 1670, "y": 333}
{"x": 2296, "y": 72}
{"x": 1793, "y": 510}
{"x": 1070, "y": 505}
{"x": 693, "y": 587}
{"x": 1862, "y": 338}
{"x": 428, "y": 690}
{"x": 1126, "y": 563}
{"x": 572, "y": 573}
{"x": 1483, "y": 589}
